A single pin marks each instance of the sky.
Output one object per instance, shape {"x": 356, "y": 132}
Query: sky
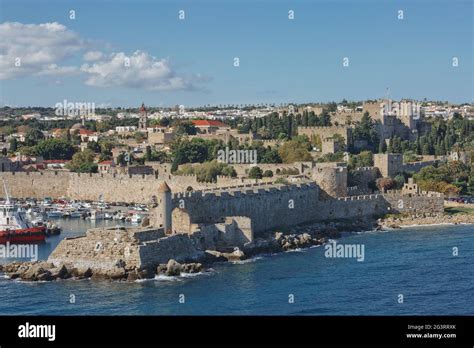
{"x": 123, "y": 53}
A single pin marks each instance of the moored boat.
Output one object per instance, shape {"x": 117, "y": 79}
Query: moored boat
{"x": 15, "y": 226}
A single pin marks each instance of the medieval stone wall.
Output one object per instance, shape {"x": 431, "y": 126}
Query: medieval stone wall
{"x": 327, "y": 132}
{"x": 112, "y": 187}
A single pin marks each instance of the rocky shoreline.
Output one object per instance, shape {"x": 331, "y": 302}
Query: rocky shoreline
{"x": 399, "y": 221}
{"x": 298, "y": 238}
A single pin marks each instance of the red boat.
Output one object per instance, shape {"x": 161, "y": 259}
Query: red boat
{"x": 23, "y": 236}
{"x": 15, "y": 227}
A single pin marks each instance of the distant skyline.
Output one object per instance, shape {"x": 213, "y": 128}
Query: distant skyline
{"x": 123, "y": 53}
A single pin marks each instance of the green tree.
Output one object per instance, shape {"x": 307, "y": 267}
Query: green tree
{"x": 295, "y": 150}
{"x": 268, "y": 174}
{"x": 83, "y": 162}
{"x": 255, "y": 173}
{"x": 366, "y": 130}
{"x": 94, "y": 146}
{"x": 33, "y": 136}
{"x": 13, "y": 144}
{"x": 54, "y": 149}
{"x": 185, "y": 128}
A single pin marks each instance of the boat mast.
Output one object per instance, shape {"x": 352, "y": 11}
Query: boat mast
{"x": 6, "y": 192}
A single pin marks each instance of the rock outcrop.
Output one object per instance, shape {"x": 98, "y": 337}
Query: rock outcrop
{"x": 174, "y": 268}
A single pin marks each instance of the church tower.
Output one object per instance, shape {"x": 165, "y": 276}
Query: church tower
{"x": 142, "y": 121}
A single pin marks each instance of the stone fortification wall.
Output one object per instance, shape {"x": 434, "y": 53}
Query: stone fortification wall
{"x": 268, "y": 206}
{"x": 102, "y": 249}
{"x": 37, "y": 185}
{"x": 273, "y": 207}
{"x": 424, "y": 202}
{"x": 113, "y": 188}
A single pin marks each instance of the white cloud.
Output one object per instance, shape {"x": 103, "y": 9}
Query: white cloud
{"x": 37, "y": 47}
{"x": 55, "y": 70}
{"x": 92, "y": 56}
{"x": 42, "y": 49}
{"x": 139, "y": 70}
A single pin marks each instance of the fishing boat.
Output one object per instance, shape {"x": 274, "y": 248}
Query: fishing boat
{"x": 15, "y": 226}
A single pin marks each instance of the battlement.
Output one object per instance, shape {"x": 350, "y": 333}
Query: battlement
{"x": 269, "y": 140}
{"x": 245, "y": 190}
{"x": 341, "y": 127}
{"x": 333, "y": 169}
{"x": 364, "y": 169}
{"x": 360, "y": 198}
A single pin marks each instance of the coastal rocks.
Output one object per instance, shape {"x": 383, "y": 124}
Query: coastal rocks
{"x": 295, "y": 241}
{"x": 33, "y": 271}
{"x": 192, "y": 268}
{"x": 174, "y": 268}
{"x": 236, "y": 255}
{"x": 46, "y": 276}
{"x": 161, "y": 269}
{"x": 115, "y": 273}
{"x": 44, "y": 271}
{"x": 211, "y": 256}
{"x": 60, "y": 272}
{"x": 137, "y": 274}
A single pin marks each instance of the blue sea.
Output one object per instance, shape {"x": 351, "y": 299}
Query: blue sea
{"x": 417, "y": 263}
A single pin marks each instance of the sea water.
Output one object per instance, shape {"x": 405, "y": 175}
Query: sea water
{"x": 412, "y": 271}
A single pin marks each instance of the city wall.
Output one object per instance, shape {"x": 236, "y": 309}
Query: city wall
{"x": 273, "y": 207}
{"x": 113, "y": 188}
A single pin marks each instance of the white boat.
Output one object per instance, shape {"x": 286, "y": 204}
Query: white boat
{"x": 54, "y": 214}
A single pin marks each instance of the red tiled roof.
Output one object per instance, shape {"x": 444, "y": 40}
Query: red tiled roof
{"x": 106, "y": 162}
{"x": 207, "y": 123}
{"x": 85, "y": 132}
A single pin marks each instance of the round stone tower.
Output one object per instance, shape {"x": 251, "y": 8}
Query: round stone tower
{"x": 164, "y": 206}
